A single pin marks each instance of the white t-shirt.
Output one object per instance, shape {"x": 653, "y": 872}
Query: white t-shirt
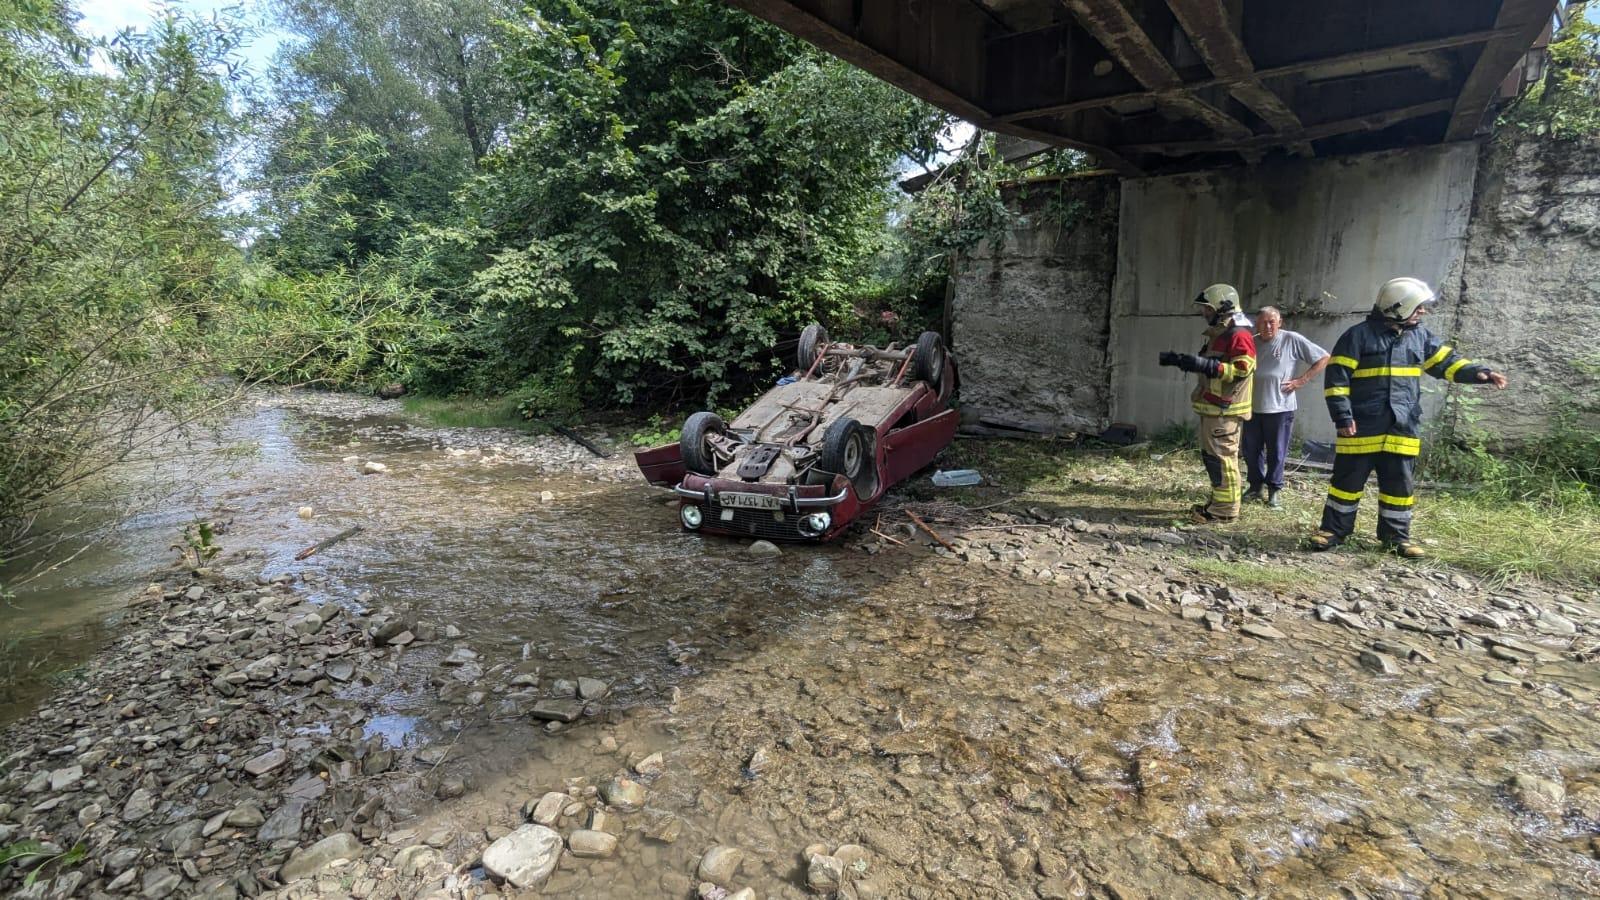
{"x": 1277, "y": 361}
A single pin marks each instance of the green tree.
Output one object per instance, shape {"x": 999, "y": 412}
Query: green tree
{"x": 112, "y": 239}
{"x": 682, "y": 184}
{"x": 408, "y": 88}
{"x": 1566, "y": 102}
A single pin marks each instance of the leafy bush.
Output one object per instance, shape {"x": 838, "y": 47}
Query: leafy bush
{"x": 685, "y": 185}
{"x": 1566, "y": 103}
{"x": 111, "y": 241}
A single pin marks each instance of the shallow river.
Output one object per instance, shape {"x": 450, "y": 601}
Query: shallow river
{"x": 980, "y": 736}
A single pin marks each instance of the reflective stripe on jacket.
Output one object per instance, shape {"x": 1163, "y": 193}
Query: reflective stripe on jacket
{"x": 1229, "y": 393}
{"x": 1375, "y": 380}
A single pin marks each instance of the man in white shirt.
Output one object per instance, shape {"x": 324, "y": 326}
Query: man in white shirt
{"x": 1266, "y": 435}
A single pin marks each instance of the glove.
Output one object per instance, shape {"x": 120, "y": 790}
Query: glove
{"x": 1190, "y": 362}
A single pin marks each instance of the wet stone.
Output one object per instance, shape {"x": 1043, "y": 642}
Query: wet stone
{"x": 720, "y": 864}
{"x": 548, "y": 809}
{"x": 592, "y": 688}
{"x": 1545, "y": 796}
{"x": 588, "y": 844}
{"x": 525, "y": 857}
{"x": 557, "y": 710}
{"x": 824, "y": 874}
{"x": 623, "y": 794}
{"x": 1378, "y": 662}
{"x": 1259, "y": 630}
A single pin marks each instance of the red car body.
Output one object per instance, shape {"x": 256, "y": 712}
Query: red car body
{"x": 909, "y": 422}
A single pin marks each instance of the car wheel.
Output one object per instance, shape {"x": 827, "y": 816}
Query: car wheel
{"x": 928, "y": 364}
{"x": 844, "y": 449}
{"x": 695, "y": 445}
{"x": 812, "y": 340}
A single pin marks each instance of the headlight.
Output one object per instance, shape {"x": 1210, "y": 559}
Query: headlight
{"x": 815, "y": 523}
{"x": 691, "y": 515}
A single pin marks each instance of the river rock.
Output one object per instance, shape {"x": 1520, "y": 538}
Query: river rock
{"x": 525, "y": 857}
{"x": 267, "y": 761}
{"x": 264, "y": 669}
{"x": 592, "y": 688}
{"x": 824, "y": 874}
{"x": 1378, "y": 662}
{"x": 651, "y": 766}
{"x": 371, "y": 467}
{"x": 316, "y": 857}
{"x": 140, "y": 804}
{"x": 548, "y": 809}
{"x": 1259, "y": 630}
{"x": 388, "y": 631}
{"x": 589, "y": 844}
{"x": 245, "y": 815}
{"x": 61, "y": 779}
{"x": 624, "y": 794}
{"x": 1545, "y": 796}
{"x": 763, "y": 550}
{"x": 720, "y": 864}
{"x": 557, "y": 710}
{"x": 460, "y": 656}
{"x": 306, "y": 512}
{"x": 159, "y": 882}
{"x": 283, "y": 824}
{"x": 416, "y": 859}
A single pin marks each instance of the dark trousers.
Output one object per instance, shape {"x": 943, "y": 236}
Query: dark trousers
{"x": 1395, "y": 497}
{"x": 1266, "y": 446}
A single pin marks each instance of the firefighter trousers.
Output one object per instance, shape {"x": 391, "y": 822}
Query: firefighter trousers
{"x": 1395, "y": 494}
{"x": 1219, "y": 450}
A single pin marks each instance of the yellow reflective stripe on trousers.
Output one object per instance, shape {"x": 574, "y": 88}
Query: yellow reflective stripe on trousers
{"x": 1396, "y": 501}
{"x": 1344, "y": 495}
{"x": 1345, "y": 361}
{"x": 1334, "y": 392}
{"x": 1379, "y": 443}
{"x": 1450, "y": 373}
{"x": 1391, "y": 371}
{"x": 1441, "y": 356}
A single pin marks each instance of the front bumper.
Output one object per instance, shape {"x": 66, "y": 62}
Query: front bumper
{"x": 786, "y": 523}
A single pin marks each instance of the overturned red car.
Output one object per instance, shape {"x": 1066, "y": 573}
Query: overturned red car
{"x": 819, "y": 449}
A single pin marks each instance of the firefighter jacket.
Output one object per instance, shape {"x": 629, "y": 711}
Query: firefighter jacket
{"x": 1374, "y": 380}
{"x": 1228, "y": 393}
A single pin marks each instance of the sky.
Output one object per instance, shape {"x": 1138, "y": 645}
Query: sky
{"x": 104, "y": 18}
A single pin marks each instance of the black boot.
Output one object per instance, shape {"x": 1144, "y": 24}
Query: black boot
{"x": 1253, "y": 495}
{"x": 1272, "y": 498}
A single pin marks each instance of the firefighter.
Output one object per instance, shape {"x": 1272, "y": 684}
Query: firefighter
{"x": 1225, "y": 366}
{"x": 1374, "y": 393}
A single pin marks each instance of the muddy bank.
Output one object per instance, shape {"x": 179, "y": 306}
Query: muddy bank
{"x": 571, "y": 697}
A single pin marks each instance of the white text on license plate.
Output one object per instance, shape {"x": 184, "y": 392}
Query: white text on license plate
{"x": 751, "y": 501}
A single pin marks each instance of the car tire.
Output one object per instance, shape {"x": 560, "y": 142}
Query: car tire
{"x": 844, "y": 450}
{"x": 928, "y": 363}
{"x": 694, "y": 444}
{"x": 812, "y": 340}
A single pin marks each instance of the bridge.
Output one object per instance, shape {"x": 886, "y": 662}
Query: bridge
{"x": 1150, "y": 86}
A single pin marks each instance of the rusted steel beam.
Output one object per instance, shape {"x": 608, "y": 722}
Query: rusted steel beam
{"x": 1524, "y": 19}
{"x": 843, "y": 40}
{"x": 1124, "y": 38}
{"x": 1215, "y": 37}
{"x": 1409, "y": 48}
{"x": 1369, "y": 122}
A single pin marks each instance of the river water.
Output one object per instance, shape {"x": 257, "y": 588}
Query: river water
{"x": 979, "y": 735}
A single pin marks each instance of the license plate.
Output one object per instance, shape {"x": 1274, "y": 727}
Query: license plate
{"x": 751, "y": 501}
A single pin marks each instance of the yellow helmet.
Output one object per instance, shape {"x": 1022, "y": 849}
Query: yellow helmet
{"x": 1221, "y": 299}
{"x": 1399, "y": 298}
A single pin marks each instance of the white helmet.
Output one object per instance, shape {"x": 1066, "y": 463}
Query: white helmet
{"x": 1400, "y": 297}
{"x": 1221, "y": 299}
